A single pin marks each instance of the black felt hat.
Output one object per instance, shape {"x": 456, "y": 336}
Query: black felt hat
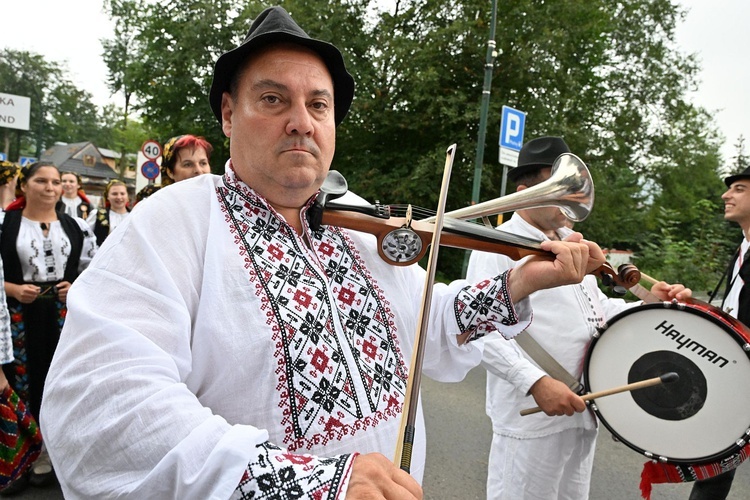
{"x": 538, "y": 153}
{"x": 742, "y": 175}
{"x": 275, "y": 25}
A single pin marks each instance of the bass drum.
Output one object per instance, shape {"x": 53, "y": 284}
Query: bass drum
{"x": 702, "y": 417}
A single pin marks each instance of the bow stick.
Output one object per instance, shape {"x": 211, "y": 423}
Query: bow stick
{"x": 406, "y": 434}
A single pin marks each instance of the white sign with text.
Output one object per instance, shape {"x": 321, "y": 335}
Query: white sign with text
{"x": 15, "y": 111}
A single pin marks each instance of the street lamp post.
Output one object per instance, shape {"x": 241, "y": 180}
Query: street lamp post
{"x": 488, "y": 67}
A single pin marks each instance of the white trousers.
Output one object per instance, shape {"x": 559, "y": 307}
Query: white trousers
{"x": 554, "y": 467}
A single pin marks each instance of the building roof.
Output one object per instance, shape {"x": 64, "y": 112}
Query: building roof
{"x": 108, "y": 153}
{"x": 82, "y": 158}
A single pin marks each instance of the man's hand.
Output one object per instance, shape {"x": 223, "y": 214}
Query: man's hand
{"x": 665, "y": 291}
{"x": 375, "y": 477}
{"x": 556, "y": 398}
{"x": 574, "y": 258}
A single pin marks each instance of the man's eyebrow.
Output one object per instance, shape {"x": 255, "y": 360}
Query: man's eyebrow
{"x": 273, "y": 84}
{"x": 269, "y": 84}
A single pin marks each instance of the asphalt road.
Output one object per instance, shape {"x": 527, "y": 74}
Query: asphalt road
{"x": 459, "y": 435}
{"x": 458, "y": 443}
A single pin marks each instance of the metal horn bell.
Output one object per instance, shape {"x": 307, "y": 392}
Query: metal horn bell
{"x": 570, "y": 188}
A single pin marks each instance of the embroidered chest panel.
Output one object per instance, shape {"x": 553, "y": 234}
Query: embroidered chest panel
{"x": 339, "y": 366}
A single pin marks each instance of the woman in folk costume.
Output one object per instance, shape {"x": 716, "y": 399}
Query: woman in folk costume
{"x": 8, "y": 182}
{"x": 73, "y": 200}
{"x": 43, "y": 252}
{"x": 185, "y": 156}
{"x": 115, "y": 201}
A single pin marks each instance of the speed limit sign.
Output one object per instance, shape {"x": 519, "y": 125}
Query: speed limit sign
{"x": 151, "y": 149}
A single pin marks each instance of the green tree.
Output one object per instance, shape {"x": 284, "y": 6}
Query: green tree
{"x": 605, "y": 75}
{"x": 740, "y": 160}
{"x": 60, "y": 111}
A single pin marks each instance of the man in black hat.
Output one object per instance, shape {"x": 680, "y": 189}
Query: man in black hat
{"x": 222, "y": 347}
{"x": 736, "y": 301}
{"x": 537, "y": 456}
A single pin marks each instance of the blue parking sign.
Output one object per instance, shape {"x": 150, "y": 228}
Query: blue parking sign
{"x": 511, "y": 128}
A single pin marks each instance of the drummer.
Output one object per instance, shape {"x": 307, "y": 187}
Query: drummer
{"x": 537, "y": 456}
{"x": 736, "y": 301}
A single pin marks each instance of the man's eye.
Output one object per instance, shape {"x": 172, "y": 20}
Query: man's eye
{"x": 271, "y": 99}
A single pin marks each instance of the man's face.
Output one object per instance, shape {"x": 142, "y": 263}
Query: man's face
{"x": 281, "y": 124}
{"x": 737, "y": 203}
{"x": 544, "y": 218}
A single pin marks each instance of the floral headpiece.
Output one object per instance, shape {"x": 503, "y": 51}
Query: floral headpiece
{"x": 168, "y": 159}
{"x": 8, "y": 170}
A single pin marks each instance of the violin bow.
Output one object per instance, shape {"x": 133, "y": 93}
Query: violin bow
{"x": 408, "y": 418}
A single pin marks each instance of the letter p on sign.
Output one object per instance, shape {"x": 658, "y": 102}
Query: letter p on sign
{"x": 511, "y": 128}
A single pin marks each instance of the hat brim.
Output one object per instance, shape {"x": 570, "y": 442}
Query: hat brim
{"x": 521, "y": 170}
{"x": 734, "y": 178}
{"x": 229, "y": 63}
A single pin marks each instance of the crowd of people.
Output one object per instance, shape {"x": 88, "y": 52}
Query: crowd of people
{"x": 49, "y": 233}
{"x": 220, "y": 345}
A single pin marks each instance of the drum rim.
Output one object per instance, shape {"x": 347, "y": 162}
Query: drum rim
{"x": 742, "y": 337}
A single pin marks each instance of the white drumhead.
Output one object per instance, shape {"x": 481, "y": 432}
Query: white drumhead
{"x": 693, "y": 338}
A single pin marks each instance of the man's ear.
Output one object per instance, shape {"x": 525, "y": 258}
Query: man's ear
{"x": 521, "y": 187}
{"x": 227, "y": 106}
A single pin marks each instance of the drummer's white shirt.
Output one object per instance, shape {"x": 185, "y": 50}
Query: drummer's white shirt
{"x": 169, "y": 370}
{"x": 732, "y": 301}
{"x": 564, "y": 320}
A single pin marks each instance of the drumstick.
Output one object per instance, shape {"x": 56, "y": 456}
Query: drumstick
{"x": 664, "y": 379}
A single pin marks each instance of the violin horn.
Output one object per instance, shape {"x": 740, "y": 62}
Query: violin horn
{"x": 570, "y": 188}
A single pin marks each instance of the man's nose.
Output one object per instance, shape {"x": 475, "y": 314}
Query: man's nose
{"x": 300, "y": 121}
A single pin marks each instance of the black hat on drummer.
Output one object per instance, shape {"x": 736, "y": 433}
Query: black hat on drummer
{"x": 275, "y": 25}
{"x": 536, "y": 154}
{"x": 745, "y": 174}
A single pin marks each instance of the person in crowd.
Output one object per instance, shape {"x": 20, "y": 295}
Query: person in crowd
{"x": 74, "y": 201}
{"x": 224, "y": 347}
{"x": 185, "y": 156}
{"x": 535, "y": 456}
{"x": 43, "y": 252}
{"x": 146, "y": 191}
{"x": 115, "y": 200}
{"x": 8, "y": 182}
{"x": 736, "y": 301}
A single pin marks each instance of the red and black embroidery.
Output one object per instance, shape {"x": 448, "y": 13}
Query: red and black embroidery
{"x": 340, "y": 369}
{"x": 481, "y": 307}
{"x": 276, "y": 474}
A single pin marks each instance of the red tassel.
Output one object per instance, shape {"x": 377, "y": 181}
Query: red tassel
{"x": 647, "y": 479}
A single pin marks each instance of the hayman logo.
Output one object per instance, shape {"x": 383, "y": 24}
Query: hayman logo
{"x": 690, "y": 344}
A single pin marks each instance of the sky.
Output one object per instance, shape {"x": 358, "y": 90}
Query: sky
{"x": 715, "y": 30}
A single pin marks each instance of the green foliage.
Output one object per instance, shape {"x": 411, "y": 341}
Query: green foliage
{"x": 60, "y": 111}
{"x": 605, "y": 75}
{"x": 695, "y": 254}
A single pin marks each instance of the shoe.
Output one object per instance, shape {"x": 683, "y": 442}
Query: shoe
{"x": 16, "y": 487}
{"x": 42, "y": 473}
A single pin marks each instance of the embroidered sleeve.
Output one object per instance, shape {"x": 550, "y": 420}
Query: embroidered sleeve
{"x": 275, "y": 473}
{"x": 487, "y": 307}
